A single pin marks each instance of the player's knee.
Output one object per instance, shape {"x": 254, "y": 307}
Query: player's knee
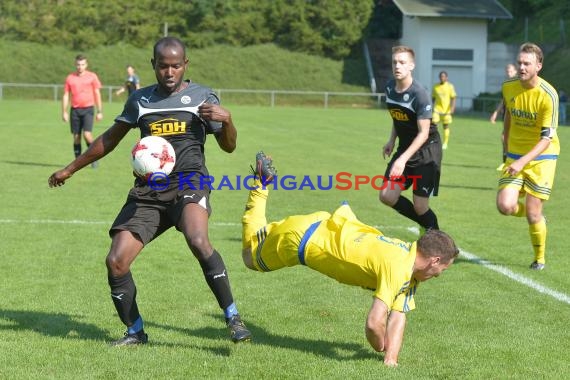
{"x": 387, "y": 198}
{"x": 115, "y": 266}
{"x": 200, "y": 246}
{"x": 506, "y": 208}
{"x": 421, "y": 209}
{"x": 533, "y": 217}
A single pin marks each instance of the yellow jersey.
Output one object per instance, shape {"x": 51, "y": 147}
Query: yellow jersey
{"x": 442, "y": 94}
{"x": 354, "y": 253}
{"x": 531, "y": 111}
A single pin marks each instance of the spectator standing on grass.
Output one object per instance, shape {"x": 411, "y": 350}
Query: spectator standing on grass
{"x": 83, "y": 86}
{"x": 132, "y": 82}
{"x": 349, "y": 251}
{"x": 511, "y": 72}
{"x": 416, "y": 162}
{"x": 532, "y": 145}
{"x": 444, "y": 97}
{"x": 148, "y": 211}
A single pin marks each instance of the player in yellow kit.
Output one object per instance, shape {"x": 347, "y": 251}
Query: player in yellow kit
{"x": 444, "y": 96}
{"x": 532, "y": 147}
{"x": 349, "y": 251}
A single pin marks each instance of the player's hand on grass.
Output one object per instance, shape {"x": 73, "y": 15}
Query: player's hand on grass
{"x": 58, "y": 178}
{"x": 390, "y": 362}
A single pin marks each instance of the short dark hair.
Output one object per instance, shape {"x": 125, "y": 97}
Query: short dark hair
{"x": 80, "y": 57}
{"x": 167, "y": 42}
{"x": 436, "y": 243}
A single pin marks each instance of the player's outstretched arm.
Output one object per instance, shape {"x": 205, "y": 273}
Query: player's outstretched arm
{"x": 376, "y": 325}
{"x": 100, "y": 147}
{"x": 394, "y": 337}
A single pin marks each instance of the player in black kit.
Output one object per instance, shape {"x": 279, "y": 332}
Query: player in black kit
{"x": 417, "y": 161}
{"x": 183, "y": 113}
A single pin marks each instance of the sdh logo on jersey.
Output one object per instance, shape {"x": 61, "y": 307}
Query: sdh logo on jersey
{"x": 399, "y": 115}
{"x": 167, "y": 127}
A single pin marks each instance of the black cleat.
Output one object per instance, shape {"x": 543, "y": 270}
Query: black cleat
{"x": 238, "y": 331}
{"x": 264, "y": 168}
{"x": 537, "y": 266}
{"x": 131, "y": 339}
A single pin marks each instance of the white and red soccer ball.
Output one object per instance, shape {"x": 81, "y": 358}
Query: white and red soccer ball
{"x": 153, "y": 154}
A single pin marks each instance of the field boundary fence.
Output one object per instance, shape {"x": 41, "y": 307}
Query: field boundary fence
{"x": 269, "y": 98}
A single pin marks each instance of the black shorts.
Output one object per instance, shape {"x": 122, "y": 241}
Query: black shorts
{"x": 81, "y": 119}
{"x": 424, "y": 179}
{"x": 148, "y": 213}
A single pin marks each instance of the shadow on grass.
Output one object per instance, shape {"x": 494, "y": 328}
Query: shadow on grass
{"x": 51, "y": 324}
{"x": 484, "y": 188}
{"x": 43, "y": 164}
{"x": 466, "y": 166}
{"x": 319, "y": 347}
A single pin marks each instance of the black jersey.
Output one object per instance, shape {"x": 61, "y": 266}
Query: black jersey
{"x": 406, "y": 108}
{"x": 176, "y": 119}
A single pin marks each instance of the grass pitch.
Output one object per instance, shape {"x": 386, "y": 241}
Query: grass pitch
{"x": 56, "y": 315}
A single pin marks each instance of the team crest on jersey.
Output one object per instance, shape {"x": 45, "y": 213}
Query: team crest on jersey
{"x": 185, "y": 99}
{"x": 166, "y": 127}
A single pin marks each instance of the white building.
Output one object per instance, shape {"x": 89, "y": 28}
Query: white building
{"x": 450, "y": 35}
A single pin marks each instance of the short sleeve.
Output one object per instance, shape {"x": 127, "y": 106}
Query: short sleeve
{"x": 213, "y": 126}
{"x": 130, "y": 112}
{"x": 549, "y": 118}
{"x": 423, "y": 107}
{"x": 96, "y": 82}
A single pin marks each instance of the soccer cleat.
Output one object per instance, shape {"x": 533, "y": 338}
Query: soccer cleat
{"x": 501, "y": 167}
{"x": 238, "y": 331}
{"x": 264, "y": 168}
{"x": 131, "y": 339}
{"x": 536, "y": 265}
{"x": 444, "y": 146}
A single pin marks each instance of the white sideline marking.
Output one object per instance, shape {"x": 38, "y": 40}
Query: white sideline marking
{"x": 469, "y": 256}
{"x": 76, "y": 221}
{"x": 50, "y": 221}
{"x": 510, "y": 274}
{"x": 516, "y": 277}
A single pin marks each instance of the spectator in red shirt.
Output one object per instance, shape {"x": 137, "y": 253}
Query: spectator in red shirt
{"x": 84, "y": 87}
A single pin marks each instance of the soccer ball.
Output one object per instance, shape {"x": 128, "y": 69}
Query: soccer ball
{"x": 153, "y": 154}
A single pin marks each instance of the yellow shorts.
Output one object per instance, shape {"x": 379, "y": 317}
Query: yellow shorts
{"x": 445, "y": 118}
{"x": 536, "y": 178}
{"x": 276, "y": 245}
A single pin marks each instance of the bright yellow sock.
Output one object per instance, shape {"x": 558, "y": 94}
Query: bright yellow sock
{"x": 537, "y": 234}
{"x": 254, "y": 215}
{"x": 521, "y": 210}
{"x": 446, "y": 133}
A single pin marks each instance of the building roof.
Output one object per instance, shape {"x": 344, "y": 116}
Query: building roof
{"x": 488, "y": 9}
